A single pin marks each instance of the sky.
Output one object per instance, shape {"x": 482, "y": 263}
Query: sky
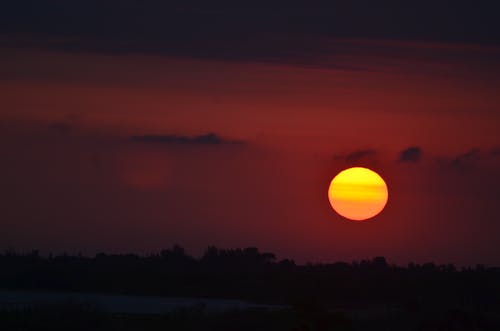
{"x": 130, "y": 126}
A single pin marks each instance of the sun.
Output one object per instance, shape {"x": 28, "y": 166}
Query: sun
{"x": 358, "y": 193}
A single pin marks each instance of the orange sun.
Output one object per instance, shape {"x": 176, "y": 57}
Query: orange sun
{"x": 358, "y": 193}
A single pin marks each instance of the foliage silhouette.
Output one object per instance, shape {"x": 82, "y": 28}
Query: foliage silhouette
{"x": 257, "y": 276}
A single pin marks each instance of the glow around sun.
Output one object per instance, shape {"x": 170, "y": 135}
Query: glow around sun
{"x": 358, "y": 193}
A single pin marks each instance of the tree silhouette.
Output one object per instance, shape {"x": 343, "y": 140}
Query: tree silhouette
{"x": 254, "y": 275}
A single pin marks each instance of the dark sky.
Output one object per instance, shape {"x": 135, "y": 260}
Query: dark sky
{"x": 133, "y": 125}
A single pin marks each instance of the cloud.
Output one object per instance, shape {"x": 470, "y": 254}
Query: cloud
{"x": 466, "y": 159}
{"x": 411, "y": 154}
{"x": 204, "y": 139}
{"x": 61, "y": 127}
{"x": 496, "y": 151}
{"x": 258, "y": 31}
{"x": 359, "y": 155}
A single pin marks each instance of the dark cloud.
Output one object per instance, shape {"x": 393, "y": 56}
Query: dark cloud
{"x": 467, "y": 159}
{"x": 366, "y": 157}
{"x": 61, "y": 127}
{"x": 495, "y": 151}
{"x": 359, "y": 155}
{"x": 250, "y": 30}
{"x": 205, "y": 139}
{"x": 411, "y": 154}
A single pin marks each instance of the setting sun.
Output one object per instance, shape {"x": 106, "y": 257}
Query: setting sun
{"x": 358, "y": 193}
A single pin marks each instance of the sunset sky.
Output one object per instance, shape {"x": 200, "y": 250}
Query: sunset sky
{"x": 128, "y": 126}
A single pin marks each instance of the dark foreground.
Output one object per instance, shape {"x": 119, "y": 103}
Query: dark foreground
{"x": 363, "y": 295}
{"x": 308, "y": 317}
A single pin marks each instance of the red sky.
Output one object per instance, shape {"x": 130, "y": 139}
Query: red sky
{"x": 76, "y": 178}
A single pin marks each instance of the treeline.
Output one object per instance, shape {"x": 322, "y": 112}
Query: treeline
{"x": 253, "y": 275}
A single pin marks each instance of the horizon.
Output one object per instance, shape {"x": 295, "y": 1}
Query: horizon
{"x": 198, "y": 257}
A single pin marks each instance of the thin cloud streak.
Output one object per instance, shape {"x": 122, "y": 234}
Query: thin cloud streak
{"x": 411, "y": 154}
{"x": 204, "y": 139}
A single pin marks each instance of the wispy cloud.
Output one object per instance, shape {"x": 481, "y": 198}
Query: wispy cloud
{"x": 411, "y": 154}
{"x": 204, "y": 139}
{"x": 360, "y": 154}
{"x": 467, "y": 158}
